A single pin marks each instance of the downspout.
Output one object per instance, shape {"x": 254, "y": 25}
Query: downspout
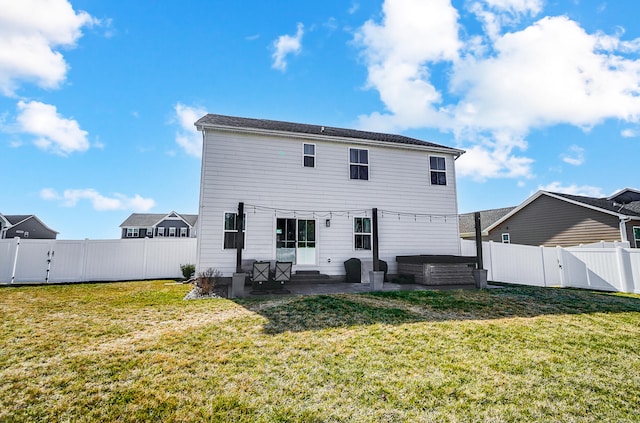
{"x": 623, "y": 228}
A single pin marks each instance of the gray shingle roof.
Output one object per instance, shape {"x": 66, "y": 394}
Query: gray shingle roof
{"x": 16, "y": 218}
{"x": 139, "y": 220}
{"x": 318, "y": 130}
{"x": 487, "y": 218}
{"x": 631, "y": 209}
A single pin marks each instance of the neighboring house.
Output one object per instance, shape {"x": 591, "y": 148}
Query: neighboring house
{"x": 555, "y": 219}
{"x": 487, "y": 218}
{"x": 309, "y": 191}
{"x": 24, "y": 226}
{"x": 157, "y": 225}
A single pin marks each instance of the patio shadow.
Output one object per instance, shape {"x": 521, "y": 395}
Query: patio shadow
{"x": 318, "y": 312}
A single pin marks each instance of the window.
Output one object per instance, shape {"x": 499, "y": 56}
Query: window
{"x": 438, "y": 170}
{"x": 636, "y": 235}
{"x": 358, "y": 164}
{"x": 149, "y": 232}
{"x": 231, "y": 230}
{"x": 133, "y": 232}
{"x": 183, "y": 232}
{"x": 309, "y": 155}
{"x": 362, "y": 233}
{"x": 172, "y": 231}
{"x": 160, "y": 232}
{"x": 506, "y": 239}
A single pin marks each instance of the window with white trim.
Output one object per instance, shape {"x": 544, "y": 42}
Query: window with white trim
{"x": 362, "y": 233}
{"x": 636, "y": 235}
{"x": 506, "y": 238}
{"x": 358, "y": 163}
{"x": 149, "y": 232}
{"x": 231, "y": 229}
{"x": 183, "y": 232}
{"x": 309, "y": 155}
{"x": 172, "y": 231}
{"x": 438, "y": 169}
{"x": 133, "y": 232}
{"x": 160, "y": 231}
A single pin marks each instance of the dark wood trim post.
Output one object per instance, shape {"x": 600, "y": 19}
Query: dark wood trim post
{"x": 374, "y": 222}
{"x": 239, "y": 236}
{"x": 476, "y": 218}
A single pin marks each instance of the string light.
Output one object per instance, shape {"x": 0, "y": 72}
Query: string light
{"x": 353, "y": 212}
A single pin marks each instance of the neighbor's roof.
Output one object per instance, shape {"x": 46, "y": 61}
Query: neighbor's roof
{"x": 487, "y": 218}
{"x": 609, "y": 205}
{"x": 151, "y": 219}
{"x": 16, "y": 219}
{"x": 221, "y": 121}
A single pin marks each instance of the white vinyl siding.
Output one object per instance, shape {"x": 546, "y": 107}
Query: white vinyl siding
{"x": 270, "y": 175}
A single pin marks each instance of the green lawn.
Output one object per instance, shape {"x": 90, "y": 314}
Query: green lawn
{"x": 137, "y": 352}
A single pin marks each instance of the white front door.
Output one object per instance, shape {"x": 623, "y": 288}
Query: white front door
{"x": 296, "y": 241}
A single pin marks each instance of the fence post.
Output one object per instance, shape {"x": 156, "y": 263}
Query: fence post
{"x": 144, "y": 258}
{"x": 544, "y": 272}
{"x": 491, "y": 263}
{"x": 624, "y": 270}
{"x": 559, "y": 252}
{"x": 85, "y": 255}
{"x": 16, "y": 241}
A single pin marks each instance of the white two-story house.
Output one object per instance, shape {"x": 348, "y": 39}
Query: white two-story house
{"x": 309, "y": 194}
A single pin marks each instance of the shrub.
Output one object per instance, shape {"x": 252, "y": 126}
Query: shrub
{"x": 188, "y": 270}
{"x": 208, "y": 280}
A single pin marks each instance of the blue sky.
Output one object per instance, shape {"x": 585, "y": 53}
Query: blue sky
{"x": 98, "y": 98}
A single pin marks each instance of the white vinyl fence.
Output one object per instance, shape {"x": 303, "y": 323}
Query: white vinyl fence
{"x": 48, "y": 261}
{"x": 598, "y": 266}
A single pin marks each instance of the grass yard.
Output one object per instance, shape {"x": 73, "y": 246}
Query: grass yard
{"x": 136, "y": 351}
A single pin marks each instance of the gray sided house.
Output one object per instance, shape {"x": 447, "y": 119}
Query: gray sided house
{"x": 309, "y": 193}
{"x": 158, "y": 225}
{"x": 555, "y": 219}
{"x": 26, "y": 226}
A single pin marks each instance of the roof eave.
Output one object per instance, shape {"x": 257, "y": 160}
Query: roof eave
{"x": 332, "y": 138}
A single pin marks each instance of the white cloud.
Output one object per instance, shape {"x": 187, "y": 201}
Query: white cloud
{"x": 501, "y": 86}
{"x": 574, "y": 156}
{"x": 629, "y": 133}
{"x": 585, "y": 190}
{"x": 52, "y": 132}
{"x": 188, "y": 137}
{"x": 396, "y": 51}
{"x": 31, "y": 34}
{"x": 71, "y": 197}
{"x": 286, "y": 45}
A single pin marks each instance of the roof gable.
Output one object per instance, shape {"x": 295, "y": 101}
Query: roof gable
{"x": 140, "y": 220}
{"x": 317, "y": 131}
{"x": 487, "y": 218}
{"x": 603, "y": 205}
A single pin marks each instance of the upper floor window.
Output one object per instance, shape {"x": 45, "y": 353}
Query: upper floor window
{"x": 183, "y": 232}
{"x": 231, "y": 229}
{"x": 309, "y": 155}
{"x": 636, "y": 235}
{"x": 160, "y": 231}
{"x": 358, "y": 163}
{"x": 438, "y": 170}
{"x": 172, "y": 231}
{"x": 149, "y": 232}
{"x": 506, "y": 239}
{"x": 362, "y": 233}
{"x": 132, "y": 232}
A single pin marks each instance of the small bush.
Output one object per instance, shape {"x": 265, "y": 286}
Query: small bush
{"x": 188, "y": 270}
{"x": 208, "y": 280}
